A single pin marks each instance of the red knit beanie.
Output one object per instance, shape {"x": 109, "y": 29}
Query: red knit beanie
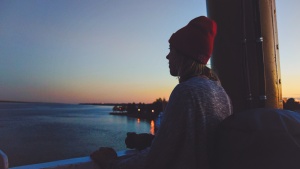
{"x": 196, "y": 39}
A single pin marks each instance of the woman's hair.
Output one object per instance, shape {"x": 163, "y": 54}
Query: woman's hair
{"x": 187, "y": 68}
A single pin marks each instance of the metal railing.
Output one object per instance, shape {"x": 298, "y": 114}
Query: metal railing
{"x": 73, "y": 163}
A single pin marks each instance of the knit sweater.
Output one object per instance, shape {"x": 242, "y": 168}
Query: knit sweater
{"x": 184, "y": 139}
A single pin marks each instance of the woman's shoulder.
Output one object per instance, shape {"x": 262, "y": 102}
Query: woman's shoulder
{"x": 198, "y": 81}
{"x": 190, "y": 84}
{"x": 196, "y": 86}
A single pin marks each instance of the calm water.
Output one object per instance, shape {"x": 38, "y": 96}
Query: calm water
{"x": 33, "y": 133}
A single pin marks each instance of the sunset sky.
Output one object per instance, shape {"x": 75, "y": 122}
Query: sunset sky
{"x": 74, "y": 51}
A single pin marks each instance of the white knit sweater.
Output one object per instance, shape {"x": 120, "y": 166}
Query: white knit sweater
{"x": 184, "y": 139}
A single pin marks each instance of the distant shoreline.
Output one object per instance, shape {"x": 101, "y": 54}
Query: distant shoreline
{"x": 135, "y": 115}
{"x": 8, "y": 101}
{"x": 104, "y": 104}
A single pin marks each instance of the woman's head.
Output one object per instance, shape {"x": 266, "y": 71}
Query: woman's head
{"x": 196, "y": 39}
{"x": 191, "y": 48}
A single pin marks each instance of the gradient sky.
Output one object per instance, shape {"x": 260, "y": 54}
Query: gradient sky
{"x": 75, "y": 51}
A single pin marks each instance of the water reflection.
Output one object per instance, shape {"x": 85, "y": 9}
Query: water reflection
{"x": 151, "y": 123}
{"x": 57, "y": 129}
{"x": 152, "y": 127}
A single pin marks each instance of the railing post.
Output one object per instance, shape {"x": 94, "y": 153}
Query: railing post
{"x": 3, "y": 160}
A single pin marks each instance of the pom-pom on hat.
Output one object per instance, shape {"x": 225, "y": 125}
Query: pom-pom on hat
{"x": 196, "y": 39}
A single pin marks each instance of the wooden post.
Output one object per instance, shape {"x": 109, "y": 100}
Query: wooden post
{"x": 246, "y": 52}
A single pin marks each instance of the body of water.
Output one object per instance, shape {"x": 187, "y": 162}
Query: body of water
{"x": 41, "y": 132}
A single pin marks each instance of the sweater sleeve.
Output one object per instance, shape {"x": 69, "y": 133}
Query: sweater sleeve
{"x": 164, "y": 143}
{"x": 134, "y": 161}
{"x": 169, "y": 144}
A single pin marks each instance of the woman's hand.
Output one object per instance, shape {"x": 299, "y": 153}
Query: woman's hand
{"x": 103, "y": 156}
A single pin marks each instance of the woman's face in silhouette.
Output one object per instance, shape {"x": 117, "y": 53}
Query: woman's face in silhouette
{"x": 173, "y": 62}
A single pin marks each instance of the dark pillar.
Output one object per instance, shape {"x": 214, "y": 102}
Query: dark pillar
{"x": 246, "y": 55}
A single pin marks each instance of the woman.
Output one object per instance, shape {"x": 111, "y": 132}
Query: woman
{"x": 195, "y": 108}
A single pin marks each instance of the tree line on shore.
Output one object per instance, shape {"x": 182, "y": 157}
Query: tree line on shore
{"x": 291, "y": 104}
{"x": 141, "y": 110}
